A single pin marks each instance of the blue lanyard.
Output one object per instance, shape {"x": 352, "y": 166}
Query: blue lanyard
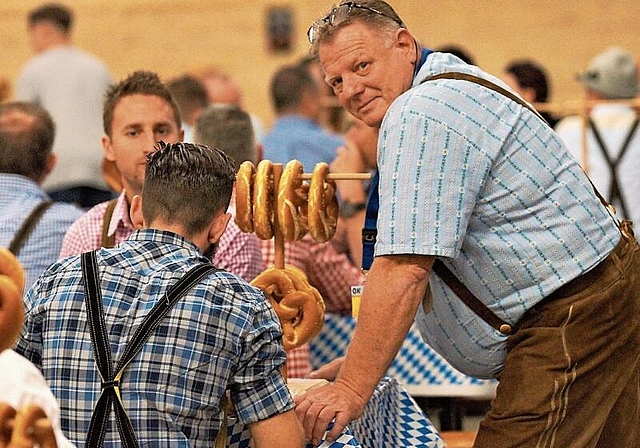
{"x": 370, "y": 230}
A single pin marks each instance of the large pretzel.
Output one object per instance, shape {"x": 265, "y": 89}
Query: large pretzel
{"x": 29, "y": 427}
{"x": 7, "y": 419}
{"x": 244, "y": 196}
{"x": 263, "y": 192}
{"x": 323, "y": 205}
{"x": 292, "y": 202}
{"x": 299, "y": 305}
{"x": 11, "y": 308}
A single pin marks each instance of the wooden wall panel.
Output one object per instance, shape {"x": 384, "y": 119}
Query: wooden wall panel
{"x": 171, "y": 37}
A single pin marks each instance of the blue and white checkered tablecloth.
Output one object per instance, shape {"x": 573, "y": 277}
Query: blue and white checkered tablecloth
{"x": 391, "y": 419}
{"x": 416, "y": 364}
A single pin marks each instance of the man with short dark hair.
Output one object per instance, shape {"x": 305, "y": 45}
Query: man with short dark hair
{"x": 228, "y": 127}
{"x": 69, "y": 83}
{"x": 488, "y": 235}
{"x": 138, "y": 112}
{"x": 220, "y": 334}
{"x": 33, "y": 233}
{"x": 296, "y": 133}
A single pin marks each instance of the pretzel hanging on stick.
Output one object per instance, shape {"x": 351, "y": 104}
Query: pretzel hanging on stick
{"x": 292, "y": 202}
{"x": 323, "y": 205}
{"x": 299, "y": 305}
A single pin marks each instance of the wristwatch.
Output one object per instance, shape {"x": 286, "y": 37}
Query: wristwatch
{"x": 349, "y": 209}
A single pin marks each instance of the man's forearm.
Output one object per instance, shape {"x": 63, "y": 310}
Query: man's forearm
{"x": 393, "y": 291}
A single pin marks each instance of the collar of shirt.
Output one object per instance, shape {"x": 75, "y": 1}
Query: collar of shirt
{"x": 296, "y": 121}
{"x": 120, "y": 217}
{"x": 163, "y": 237}
{"x": 14, "y": 187}
{"x": 605, "y": 109}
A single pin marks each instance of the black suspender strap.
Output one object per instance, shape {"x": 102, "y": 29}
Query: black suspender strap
{"x": 615, "y": 192}
{"x": 106, "y": 240}
{"x": 27, "y": 227}
{"x": 110, "y": 389}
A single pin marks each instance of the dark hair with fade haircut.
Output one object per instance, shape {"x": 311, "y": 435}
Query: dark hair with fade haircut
{"x": 56, "y": 13}
{"x": 389, "y": 20}
{"x": 140, "y": 82}
{"x": 288, "y": 85}
{"x": 25, "y": 146}
{"x": 187, "y": 183}
{"x": 229, "y": 128}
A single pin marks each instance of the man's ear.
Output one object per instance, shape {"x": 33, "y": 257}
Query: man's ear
{"x": 107, "y": 148}
{"x": 135, "y": 212}
{"x": 218, "y": 226}
{"x": 406, "y": 41}
{"x": 52, "y": 158}
{"x": 528, "y": 94}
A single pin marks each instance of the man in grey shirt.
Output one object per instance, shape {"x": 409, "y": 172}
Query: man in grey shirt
{"x": 69, "y": 83}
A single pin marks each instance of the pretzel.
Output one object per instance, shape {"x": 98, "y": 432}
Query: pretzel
{"x": 292, "y": 202}
{"x": 323, "y": 205}
{"x": 299, "y": 305}
{"x": 263, "y": 191}
{"x": 7, "y": 416}
{"x": 244, "y": 196}
{"x": 32, "y": 428}
{"x": 11, "y": 308}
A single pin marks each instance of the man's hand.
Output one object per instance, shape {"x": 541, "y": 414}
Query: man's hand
{"x": 328, "y": 371}
{"x": 318, "y": 407}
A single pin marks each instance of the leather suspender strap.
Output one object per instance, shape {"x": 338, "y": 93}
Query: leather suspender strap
{"x": 27, "y": 227}
{"x": 110, "y": 389}
{"x": 107, "y": 240}
{"x": 486, "y": 83}
{"x": 615, "y": 191}
{"x": 469, "y": 299}
{"x": 439, "y": 267}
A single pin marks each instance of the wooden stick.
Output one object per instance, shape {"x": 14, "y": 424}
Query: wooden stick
{"x": 342, "y": 176}
{"x": 278, "y": 241}
{"x": 576, "y": 106}
{"x": 584, "y": 119}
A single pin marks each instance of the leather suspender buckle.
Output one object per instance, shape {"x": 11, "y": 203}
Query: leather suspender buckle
{"x": 113, "y": 384}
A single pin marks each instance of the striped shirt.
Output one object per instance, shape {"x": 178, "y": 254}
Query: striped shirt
{"x": 470, "y": 176}
{"x": 237, "y": 252}
{"x": 19, "y": 196}
{"x": 222, "y": 334}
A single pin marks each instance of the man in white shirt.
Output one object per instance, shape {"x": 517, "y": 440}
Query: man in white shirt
{"x": 612, "y": 155}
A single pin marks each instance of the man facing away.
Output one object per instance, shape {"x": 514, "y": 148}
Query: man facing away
{"x": 138, "y": 112}
{"x": 612, "y": 157}
{"x": 296, "y": 133}
{"x": 69, "y": 83}
{"x": 475, "y": 187}
{"x": 31, "y": 226}
{"x": 221, "y": 334}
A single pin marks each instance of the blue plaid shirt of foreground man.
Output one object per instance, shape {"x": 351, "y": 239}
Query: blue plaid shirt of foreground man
{"x": 222, "y": 335}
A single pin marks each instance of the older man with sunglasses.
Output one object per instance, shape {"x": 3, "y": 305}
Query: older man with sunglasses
{"x": 490, "y": 237}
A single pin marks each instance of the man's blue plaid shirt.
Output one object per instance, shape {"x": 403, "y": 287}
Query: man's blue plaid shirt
{"x": 222, "y": 334}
